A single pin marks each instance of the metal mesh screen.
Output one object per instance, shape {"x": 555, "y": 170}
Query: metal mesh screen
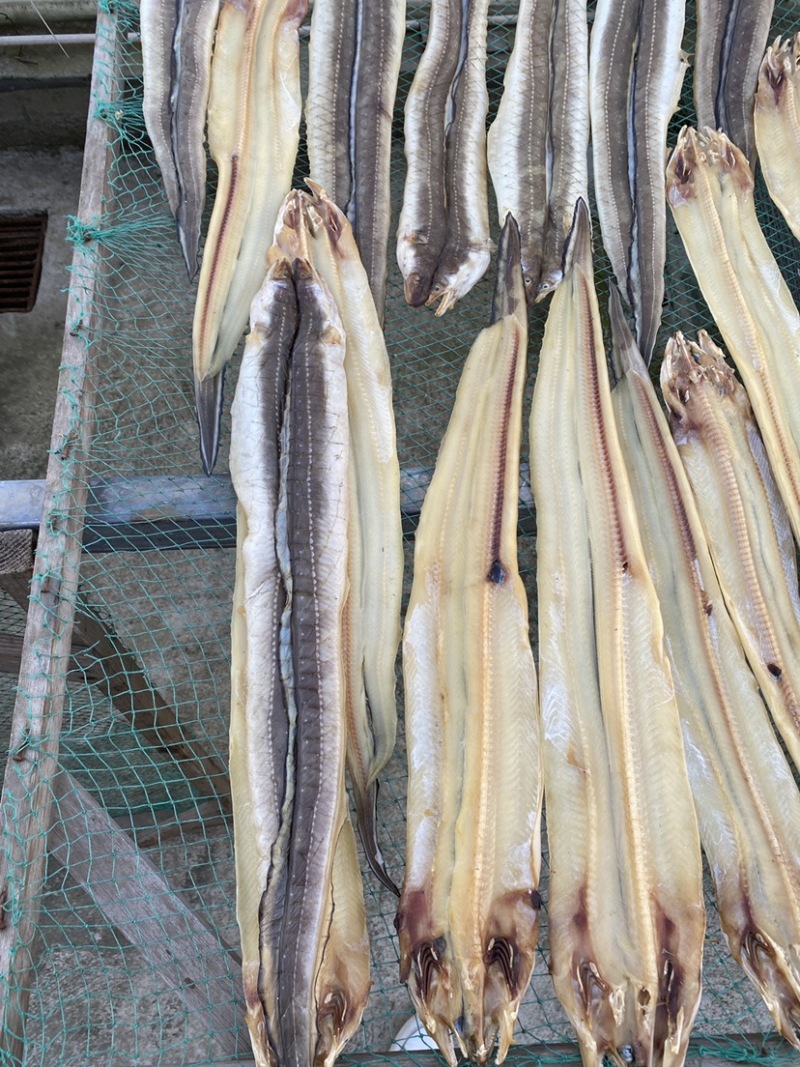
{"x": 145, "y": 723}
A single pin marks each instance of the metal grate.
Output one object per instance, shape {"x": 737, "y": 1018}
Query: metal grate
{"x": 21, "y": 248}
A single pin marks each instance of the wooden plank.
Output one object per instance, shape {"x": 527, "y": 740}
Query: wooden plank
{"x": 136, "y": 899}
{"x": 140, "y": 514}
{"x": 26, "y": 801}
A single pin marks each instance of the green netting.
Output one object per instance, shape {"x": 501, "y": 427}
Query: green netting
{"x": 99, "y": 994}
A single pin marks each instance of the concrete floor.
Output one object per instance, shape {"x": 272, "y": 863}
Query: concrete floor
{"x": 95, "y": 999}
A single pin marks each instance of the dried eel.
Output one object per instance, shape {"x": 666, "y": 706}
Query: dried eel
{"x": 568, "y": 134}
{"x": 517, "y": 141}
{"x": 261, "y": 720}
{"x": 745, "y": 523}
{"x": 331, "y": 58}
{"x": 177, "y": 39}
{"x": 710, "y": 192}
{"x": 422, "y": 229}
{"x": 636, "y": 70}
{"x": 468, "y": 912}
{"x": 746, "y": 36}
{"x": 253, "y": 131}
{"x": 158, "y": 20}
{"x": 731, "y": 37}
{"x": 297, "y": 903}
{"x": 467, "y": 248}
{"x": 354, "y": 63}
{"x": 747, "y": 803}
{"x": 625, "y": 904}
{"x": 443, "y": 244}
{"x": 313, "y": 226}
{"x": 712, "y": 20}
{"x": 777, "y": 127}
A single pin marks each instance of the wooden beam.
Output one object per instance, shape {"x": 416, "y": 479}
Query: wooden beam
{"x": 26, "y": 801}
{"x": 136, "y": 899}
{"x": 164, "y": 512}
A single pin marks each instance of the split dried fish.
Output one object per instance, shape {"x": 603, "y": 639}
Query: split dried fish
{"x": 253, "y": 131}
{"x": 777, "y": 127}
{"x": 313, "y": 226}
{"x": 625, "y": 905}
{"x": 745, "y": 522}
{"x": 731, "y": 38}
{"x": 423, "y": 217}
{"x": 354, "y": 63}
{"x": 538, "y": 154}
{"x": 710, "y": 192}
{"x": 443, "y": 243}
{"x": 517, "y": 141}
{"x": 177, "y": 40}
{"x": 636, "y": 70}
{"x": 468, "y": 912}
{"x": 568, "y": 134}
{"x": 297, "y": 903}
{"x": 746, "y": 800}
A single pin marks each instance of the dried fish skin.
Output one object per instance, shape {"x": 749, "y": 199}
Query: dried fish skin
{"x": 157, "y": 21}
{"x": 331, "y": 57}
{"x": 297, "y": 903}
{"x": 343, "y": 981}
{"x": 747, "y": 803}
{"x": 517, "y": 139}
{"x": 354, "y": 64}
{"x": 777, "y": 127}
{"x": 375, "y": 545}
{"x": 468, "y": 912}
{"x": 710, "y": 192}
{"x": 261, "y": 724}
{"x": 731, "y": 37}
{"x": 382, "y": 28}
{"x": 747, "y": 31}
{"x": 194, "y": 39}
{"x": 625, "y": 907}
{"x": 422, "y": 229}
{"x": 255, "y": 85}
{"x": 568, "y": 134}
{"x": 636, "y": 70}
{"x": 314, "y": 474}
{"x": 744, "y": 520}
{"x": 466, "y": 253}
{"x": 712, "y": 19}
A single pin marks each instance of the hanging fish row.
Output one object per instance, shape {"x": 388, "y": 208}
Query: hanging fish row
{"x": 668, "y": 607}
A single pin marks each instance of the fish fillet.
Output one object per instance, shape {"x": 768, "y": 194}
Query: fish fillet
{"x": 625, "y": 903}
{"x": 710, "y": 192}
{"x": 468, "y": 912}
{"x": 777, "y": 127}
{"x": 747, "y": 803}
{"x": 253, "y": 130}
{"x": 745, "y": 523}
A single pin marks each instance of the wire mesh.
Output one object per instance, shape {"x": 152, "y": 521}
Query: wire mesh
{"x": 98, "y": 996}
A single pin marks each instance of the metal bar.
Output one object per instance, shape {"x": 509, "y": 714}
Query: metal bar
{"x": 137, "y": 514}
{"x": 36, "y": 40}
{"x": 26, "y": 802}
